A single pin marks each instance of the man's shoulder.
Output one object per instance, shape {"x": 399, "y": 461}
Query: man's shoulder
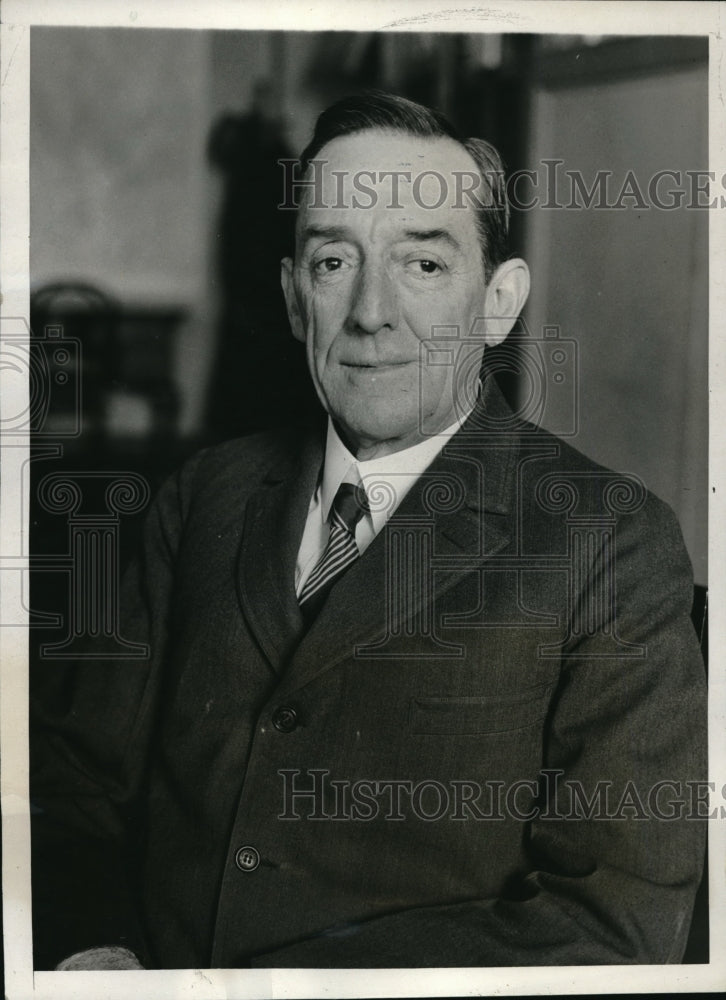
{"x": 565, "y": 456}
{"x": 257, "y": 453}
{"x": 243, "y": 463}
{"x": 563, "y": 479}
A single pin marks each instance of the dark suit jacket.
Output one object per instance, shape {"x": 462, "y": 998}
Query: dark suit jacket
{"x": 520, "y": 612}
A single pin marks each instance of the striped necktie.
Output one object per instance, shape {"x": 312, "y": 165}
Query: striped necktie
{"x": 348, "y": 508}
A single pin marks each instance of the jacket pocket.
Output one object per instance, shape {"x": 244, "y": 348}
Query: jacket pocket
{"x": 472, "y": 716}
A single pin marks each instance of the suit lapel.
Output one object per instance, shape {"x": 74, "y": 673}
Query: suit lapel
{"x": 274, "y": 522}
{"x": 458, "y": 510}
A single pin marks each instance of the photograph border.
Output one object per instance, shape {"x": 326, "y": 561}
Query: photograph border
{"x": 622, "y": 18}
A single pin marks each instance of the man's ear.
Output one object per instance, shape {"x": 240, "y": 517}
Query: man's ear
{"x": 288, "y": 290}
{"x": 506, "y": 294}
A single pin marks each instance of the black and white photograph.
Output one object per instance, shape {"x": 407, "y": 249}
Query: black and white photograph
{"x": 360, "y": 495}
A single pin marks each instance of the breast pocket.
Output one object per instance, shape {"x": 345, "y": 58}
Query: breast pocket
{"x": 478, "y": 715}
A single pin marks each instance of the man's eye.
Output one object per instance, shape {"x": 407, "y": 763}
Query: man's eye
{"x": 426, "y": 266}
{"x": 328, "y": 265}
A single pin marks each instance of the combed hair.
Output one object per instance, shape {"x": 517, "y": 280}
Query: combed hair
{"x": 389, "y": 112}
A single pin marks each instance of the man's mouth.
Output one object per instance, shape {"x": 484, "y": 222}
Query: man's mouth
{"x": 373, "y": 365}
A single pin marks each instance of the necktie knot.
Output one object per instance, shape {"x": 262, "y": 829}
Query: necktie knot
{"x": 349, "y": 506}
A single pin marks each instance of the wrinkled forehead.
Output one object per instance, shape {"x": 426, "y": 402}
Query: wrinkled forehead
{"x": 385, "y": 178}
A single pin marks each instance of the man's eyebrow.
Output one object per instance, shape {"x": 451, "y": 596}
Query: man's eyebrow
{"x": 312, "y": 231}
{"x": 430, "y": 235}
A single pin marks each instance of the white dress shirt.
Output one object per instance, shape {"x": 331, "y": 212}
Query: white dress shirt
{"x": 386, "y": 481}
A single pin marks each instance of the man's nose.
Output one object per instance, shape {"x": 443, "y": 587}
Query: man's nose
{"x": 375, "y": 301}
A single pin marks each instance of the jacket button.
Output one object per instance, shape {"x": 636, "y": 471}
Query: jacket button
{"x": 285, "y": 720}
{"x": 247, "y": 859}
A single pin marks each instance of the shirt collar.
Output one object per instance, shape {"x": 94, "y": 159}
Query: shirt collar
{"x": 400, "y": 469}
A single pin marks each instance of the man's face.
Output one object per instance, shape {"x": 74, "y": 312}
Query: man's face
{"x": 370, "y": 282}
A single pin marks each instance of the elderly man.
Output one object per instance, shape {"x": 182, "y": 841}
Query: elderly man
{"x": 422, "y": 688}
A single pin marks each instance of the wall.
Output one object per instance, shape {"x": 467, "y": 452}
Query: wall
{"x": 120, "y": 193}
{"x": 631, "y": 286}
